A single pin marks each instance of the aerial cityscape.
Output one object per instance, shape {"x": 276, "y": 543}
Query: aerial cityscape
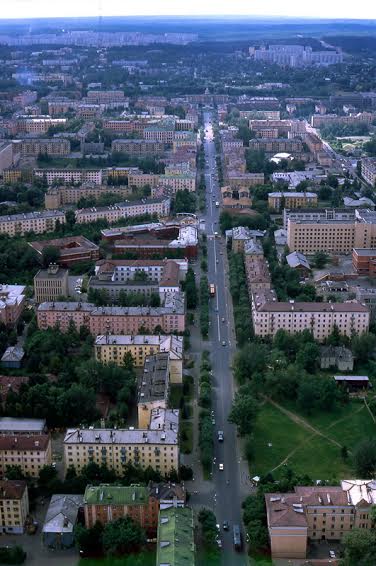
{"x": 187, "y": 285}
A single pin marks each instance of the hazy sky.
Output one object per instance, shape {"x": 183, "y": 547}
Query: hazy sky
{"x": 364, "y": 9}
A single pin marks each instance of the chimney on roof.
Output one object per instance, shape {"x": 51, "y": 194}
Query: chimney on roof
{"x": 52, "y": 269}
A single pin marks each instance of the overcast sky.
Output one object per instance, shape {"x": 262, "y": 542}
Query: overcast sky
{"x": 362, "y": 9}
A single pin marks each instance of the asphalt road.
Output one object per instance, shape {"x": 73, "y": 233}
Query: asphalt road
{"x": 227, "y": 496}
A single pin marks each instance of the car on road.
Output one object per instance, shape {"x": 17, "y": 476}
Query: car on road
{"x": 221, "y": 252}
{"x": 219, "y": 543}
{"x": 223, "y": 343}
{"x": 226, "y": 526}
{"x": 223, "y": 319}
{"x": 220, "y": 467}
{"x": 332, "y": 554}
{"x": 220, "y": 436}
{"x": 217, "y": 261}
{"x": 213, "y": 421}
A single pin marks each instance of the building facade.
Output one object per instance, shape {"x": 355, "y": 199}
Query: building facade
{"x": 157, "y": 446}
{"x": 37, "y": 222}
{"x": 31, "y": 453}
{"x": 14, "y": 506}
{"x": 112, "y": 349}
{"x": 315, "y": 513}
{"x": 50, "y": 284}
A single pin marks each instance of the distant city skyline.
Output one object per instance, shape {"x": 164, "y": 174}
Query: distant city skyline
{"x": 19, "y": 9}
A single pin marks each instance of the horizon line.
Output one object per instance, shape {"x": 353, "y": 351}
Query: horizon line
{"x": 194, "y": 16}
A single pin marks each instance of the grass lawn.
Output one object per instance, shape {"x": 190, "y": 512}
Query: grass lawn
{"x": 143, "y": 559}
{"x": 275, "y": 428}
{"x": 314, "y": 455}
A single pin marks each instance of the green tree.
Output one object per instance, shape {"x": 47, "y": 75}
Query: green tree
{"x": 365, "y": 458}
{"x": 363, "y": 346}
{"x": 359, "y": 547}
{"x": 50, "y": 254}
{"x": 320, "y": 259}
{"x": 244, "y": 411}
{"x": 123, "y": 536}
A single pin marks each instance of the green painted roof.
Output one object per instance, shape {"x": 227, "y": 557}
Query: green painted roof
{"x": 116, "y": 494}
{"x": 175, "y": 546}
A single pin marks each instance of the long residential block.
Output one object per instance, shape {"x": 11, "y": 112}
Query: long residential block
{"x": 118, "y": 320}
{"x": 158, "y": 206}
{"x": 157, "y": 446}
{"x": 37, "y": 222}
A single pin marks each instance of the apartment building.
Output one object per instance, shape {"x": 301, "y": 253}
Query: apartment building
{"x": 295, "y": 56}
{"x": 37, "y": 124}
{"x": 12, "y": 303}
{"x": 65, "y": 194}
{"x": 241, "y": 181}
{"x": 113, "y": 348}
{"x": 139, "y": 179}
{"x": 31, "y": 453}
{"x": 368, "y": 169}
{"x": 239, "y": 236}
{"x": 269, "y": 316}
{"x": 106, "y": 96}
{"x": 72, "y": 249}
{"x": 60, "y": 107}
{"x": 157, "y": 446}
{"x": 314, "y": 513}
{"x": 138, "y": 276}
{"x": 279, "y": 200}
{"x": 154, "y": 238}
{"x": 277, "y": 145}
{"x": 178, "y": 182}
{"x": 332, "y": 234}
{"x": 364, "y": 261}
{"x": 153, "y": 387}
{"x": 318, "y": 215}
{"x": 160, "y": 132}
{"x": 14, "y": 506}
{"x": 175, "y": 542}
{"x": 314, "y": 143}
{"x": 51, "y": 283}
{"x": 106, "y": 503}
{"x": 12, "y": 425}
{"x": 320, "y": 120}
{"x": 37, "y": 222}
{"x": 69, "y": 175}
{"x": 59, "y": 147}
{"x": 50, "y": 314}
{"x": 138, "y": 147}
{"x": 282, "y": 127}
{"x": 115, "y": 320}
{"x": 125, "y": 126}
{"x": 158, "y": 206}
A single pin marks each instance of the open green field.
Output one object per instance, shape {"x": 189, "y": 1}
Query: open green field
{"x": 143, "y": 559}
{"x": 304, "y": 450}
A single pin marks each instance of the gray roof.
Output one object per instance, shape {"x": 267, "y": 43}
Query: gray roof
{"x": 13, "y": 354}
{"x": 351, "y": 378}
{"x": 33, "y": 215}
{"x": 253, "y": 247}
{"x": 154, "y": 382}
{"x": 297, "y": 259}
{"x": 16, "y": 425}
{"x": 62, "y": 513}
{"x": 123, "y": 436}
